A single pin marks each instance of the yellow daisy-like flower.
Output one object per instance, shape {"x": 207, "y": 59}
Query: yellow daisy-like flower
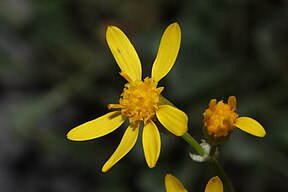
{"x": 140, "y": 101}
{"x": 172, "y": 184}
{"x": 221, "y": 118}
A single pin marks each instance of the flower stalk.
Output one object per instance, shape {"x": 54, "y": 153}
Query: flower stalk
{"x": 193, "y": 143}
{"x": 211, "y": 160}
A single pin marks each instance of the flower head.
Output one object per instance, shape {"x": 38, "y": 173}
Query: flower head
{"x": 220, "y": 119}
{"x": 172, "y": 184}
{"x": 140, "y": 101}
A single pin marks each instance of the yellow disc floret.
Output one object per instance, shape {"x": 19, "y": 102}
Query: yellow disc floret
{"x": 139, "y": 100}
{"x": 219, "y": 118}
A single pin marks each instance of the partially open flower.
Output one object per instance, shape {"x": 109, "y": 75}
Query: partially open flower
{"x": 172, "y": 184}
{"x": 220, "y": 119}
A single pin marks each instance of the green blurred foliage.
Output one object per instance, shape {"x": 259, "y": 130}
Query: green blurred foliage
{"x": 57, "y": 72}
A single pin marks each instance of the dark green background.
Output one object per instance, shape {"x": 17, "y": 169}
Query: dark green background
{"x": 56, "y": 72}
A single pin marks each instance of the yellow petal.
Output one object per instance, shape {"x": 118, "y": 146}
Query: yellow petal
{"x": 127, "y": 142}
{"x": 97, "y": 127}
{"x": 167, "y": 52}
{"x": 151, "y": 143}
{"x": 173, "y": 119}
{"x": 124, "y": 52}
{"x": 172, "y": 184}
{"x": 214, "y": 185}
{"x": 250, "y": 126}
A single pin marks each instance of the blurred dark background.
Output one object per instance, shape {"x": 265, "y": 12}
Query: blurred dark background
{"x": 56, "y": 72}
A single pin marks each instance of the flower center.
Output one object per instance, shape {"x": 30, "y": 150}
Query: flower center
{"x": 219, "y": 118}
{"x": 139, "y": 100}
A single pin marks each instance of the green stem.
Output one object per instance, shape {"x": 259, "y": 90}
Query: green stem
{"x": 223, "y": 176}
{"x": 213, "y": 150}
{"x": 191, "y": 141}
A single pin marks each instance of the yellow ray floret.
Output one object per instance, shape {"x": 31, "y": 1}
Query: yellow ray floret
{"x": 167, "y": 52}
{"x": 151, "y": 143}
{"x": 97, "y": 127}
{"x": 250, "y": 126}
{"x": 128, "y": 141}
{"x": 124, "y": 53}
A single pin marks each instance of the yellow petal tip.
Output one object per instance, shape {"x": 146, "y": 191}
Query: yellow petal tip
{"x": 172, "y": 184}
{"x": 152, "y": 166}
{"x": 74, "y": 136}
{"x": 214, "y": 185}
{"x": 105, "y": 169}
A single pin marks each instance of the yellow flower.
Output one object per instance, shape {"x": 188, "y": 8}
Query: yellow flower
{"x": 172, "y": 184}
{"x": 220, "y": 119}
{"x": 140, "y": 100}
